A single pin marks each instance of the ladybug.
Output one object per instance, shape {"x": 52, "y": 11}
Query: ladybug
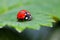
{"x": 24, "y": 15}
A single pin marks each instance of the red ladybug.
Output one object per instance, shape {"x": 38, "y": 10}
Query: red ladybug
{"x": 24, "y": 15}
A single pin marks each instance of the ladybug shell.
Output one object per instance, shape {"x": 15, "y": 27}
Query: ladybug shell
{"x": 22, "y": 14}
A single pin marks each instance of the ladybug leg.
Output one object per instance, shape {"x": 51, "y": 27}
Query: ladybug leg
{"x": 20, "y": 20}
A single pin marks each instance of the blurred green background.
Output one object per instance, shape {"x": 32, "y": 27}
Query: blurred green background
{"x": 41, "y": 11}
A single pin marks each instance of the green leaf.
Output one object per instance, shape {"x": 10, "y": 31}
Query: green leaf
{"x": 41, "y": 11}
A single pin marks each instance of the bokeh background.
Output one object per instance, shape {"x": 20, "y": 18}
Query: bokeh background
{"x": 41, "y": 11}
